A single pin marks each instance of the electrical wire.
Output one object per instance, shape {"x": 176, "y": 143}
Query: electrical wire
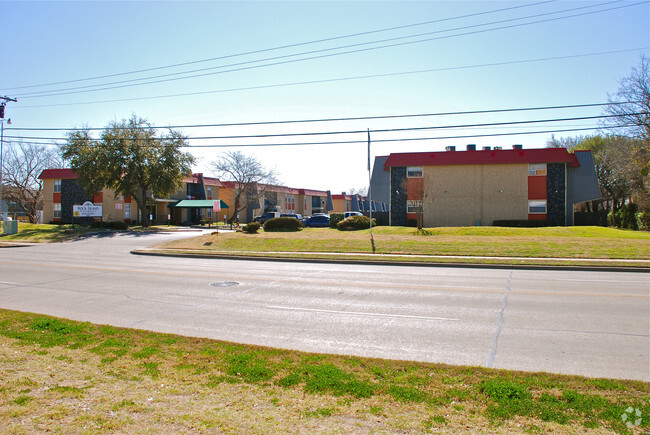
{"x": 108, "y": 86}
{"x": 365, "y": 141}
{"x": 395, "y": 130}
{"x": 356, "y": 118}
{"x": 311, "y": 82}
{"x": 299, "y": 44}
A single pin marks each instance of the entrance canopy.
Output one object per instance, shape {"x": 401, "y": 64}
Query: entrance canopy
{"x": 197, "y": 203}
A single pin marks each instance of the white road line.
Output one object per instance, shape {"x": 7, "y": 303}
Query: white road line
{"x": 361, "y": 313}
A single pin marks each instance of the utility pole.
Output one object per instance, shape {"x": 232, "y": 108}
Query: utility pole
{"x": 372, "y": 240}
{"x": 3, "y": 102}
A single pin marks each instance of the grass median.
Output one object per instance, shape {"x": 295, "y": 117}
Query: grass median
{"x": 65, "y": 376}
{"x": 404, "y": 244}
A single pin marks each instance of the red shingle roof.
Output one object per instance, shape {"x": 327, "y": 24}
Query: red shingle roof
{"x": 57, "y": 174}
{"x": 482, "y": 157}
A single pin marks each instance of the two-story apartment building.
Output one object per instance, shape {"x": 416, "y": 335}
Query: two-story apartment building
{"x": 478, "y": 187}
{"x": 189, "y": 204}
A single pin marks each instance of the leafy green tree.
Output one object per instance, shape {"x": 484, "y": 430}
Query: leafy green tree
{"x": 131, "y": 159}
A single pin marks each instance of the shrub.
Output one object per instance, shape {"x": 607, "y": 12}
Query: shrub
{"x": 522, "y": 223}
{"x": 252, "y": 228}
{"x": 335, "y": 218}
{"x": 283, "y": 224}
{"x": 354, "y": 223}
{"x": 643, "y": 220}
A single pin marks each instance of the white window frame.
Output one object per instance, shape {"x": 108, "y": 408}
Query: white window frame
{"x": 56, "y": 214}
{"x": 537, "y": 204}
{"x": 536, "y": 169}
{"x": 57, "y": 185}
{"x": 414, "y": 172}
{"x": 413, "y": 206}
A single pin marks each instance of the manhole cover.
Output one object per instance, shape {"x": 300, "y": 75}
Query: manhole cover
{"x": 224, "y": 284}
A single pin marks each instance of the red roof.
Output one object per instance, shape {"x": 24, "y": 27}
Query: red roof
{"x": 312, "y": 192}
{"x": 57, "y": 174}
{"x": 341, "y": 196}
{"x": 482, "y": 157}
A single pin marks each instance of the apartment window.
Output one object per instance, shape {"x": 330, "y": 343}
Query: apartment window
{"x": 536, "y": 207}
{"x": 537, "y": 169}
{"x": 209, "y": 192}
{"x": 413, "y": 206}
{"x": 414, "y": 171}
{"x": 57, "y": 186}
{"x": 57, "y": 210}
{"x": 127, "y": 211}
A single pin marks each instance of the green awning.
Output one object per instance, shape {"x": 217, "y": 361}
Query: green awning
{"x": 197, "y": 203}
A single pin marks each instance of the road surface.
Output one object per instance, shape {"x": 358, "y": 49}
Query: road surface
{"x": 574, "y": 322}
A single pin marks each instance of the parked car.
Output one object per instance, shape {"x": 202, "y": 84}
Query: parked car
{"x": 318, "y": 220}
{"x": 266, "y": 216}
{"x": 347, "y": 214}
{"x": 294, "y": 215}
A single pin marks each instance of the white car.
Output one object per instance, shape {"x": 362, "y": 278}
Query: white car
{"x": 347, "y": 214}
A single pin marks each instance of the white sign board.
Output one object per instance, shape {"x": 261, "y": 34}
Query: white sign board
{"x": 88, "y": 209}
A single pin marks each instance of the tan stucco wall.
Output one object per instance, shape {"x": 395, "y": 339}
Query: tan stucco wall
{"x": 48, "y": 201}
{"x": 463, "y": 195}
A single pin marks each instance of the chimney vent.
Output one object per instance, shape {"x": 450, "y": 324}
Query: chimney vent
{"x": 487, "y": 148}
{"x": 517, "y": 147}
{"x": 450, "y": 148}
{"x": 471, "y": 147}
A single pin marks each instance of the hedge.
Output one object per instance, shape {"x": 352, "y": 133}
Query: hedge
{"x": 283, "y": 224}
{"x": 354, "y": 223}
{"x": 335, "y": 218}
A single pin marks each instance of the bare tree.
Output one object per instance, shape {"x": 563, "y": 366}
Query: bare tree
{"x": 418, "y": 199}
{"x": 631, "y": 104}
{"x": 22, "y": 163}
{"x": 250, "y": 178}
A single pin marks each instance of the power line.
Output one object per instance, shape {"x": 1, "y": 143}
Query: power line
{"x": 352, "y": 142}
{"x": 311, "y": 82}
{"x": 395, "y": 130}
{"x": 288, "y": 46}
{"x": 356, "y": 118}
{"x": 108, "y": 86}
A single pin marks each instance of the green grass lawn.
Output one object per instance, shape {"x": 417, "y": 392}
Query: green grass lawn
{"x": 65, "y": 376}
{"x": 38, "y": 233}
{"x": 560, "y": 242}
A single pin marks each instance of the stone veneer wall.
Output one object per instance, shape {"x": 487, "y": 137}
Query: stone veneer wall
{"x": 556, "y": 193}
{"x": 397, "y": 196}
{"x": 73, "y": 194}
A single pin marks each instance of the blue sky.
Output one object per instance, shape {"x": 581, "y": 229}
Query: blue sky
{"x": 472, "y": 55}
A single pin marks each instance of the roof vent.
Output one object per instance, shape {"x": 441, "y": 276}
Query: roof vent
{"x": 471, "y": 147}
{"x": 498, "y": 148}
{"x": 486, "y": 148}
{"x": 450, "y": 148}
{"x": 517, "y": 147}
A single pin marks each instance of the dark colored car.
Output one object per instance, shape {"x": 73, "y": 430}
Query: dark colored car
{"x": 318, "y": 220}
{"x": 294, "y": 215}
{"x": 266, "y": 216}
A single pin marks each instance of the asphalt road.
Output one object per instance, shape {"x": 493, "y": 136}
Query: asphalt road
{"x": 574, "y": 322}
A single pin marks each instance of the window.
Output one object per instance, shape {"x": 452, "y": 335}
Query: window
{"x": 209, "y": 192}
{"x": 127, "y": 211}
{"x": 536, "y": 206}
{"x": 537, "y": 169}
{"x": 414, "y": 171}
{"x": 57, "y": 209}
{"x": 57, "y": 186}
{"x": 413, "y": 206}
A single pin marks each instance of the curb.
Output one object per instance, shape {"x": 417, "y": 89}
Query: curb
{"x": 394, "y": 263}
